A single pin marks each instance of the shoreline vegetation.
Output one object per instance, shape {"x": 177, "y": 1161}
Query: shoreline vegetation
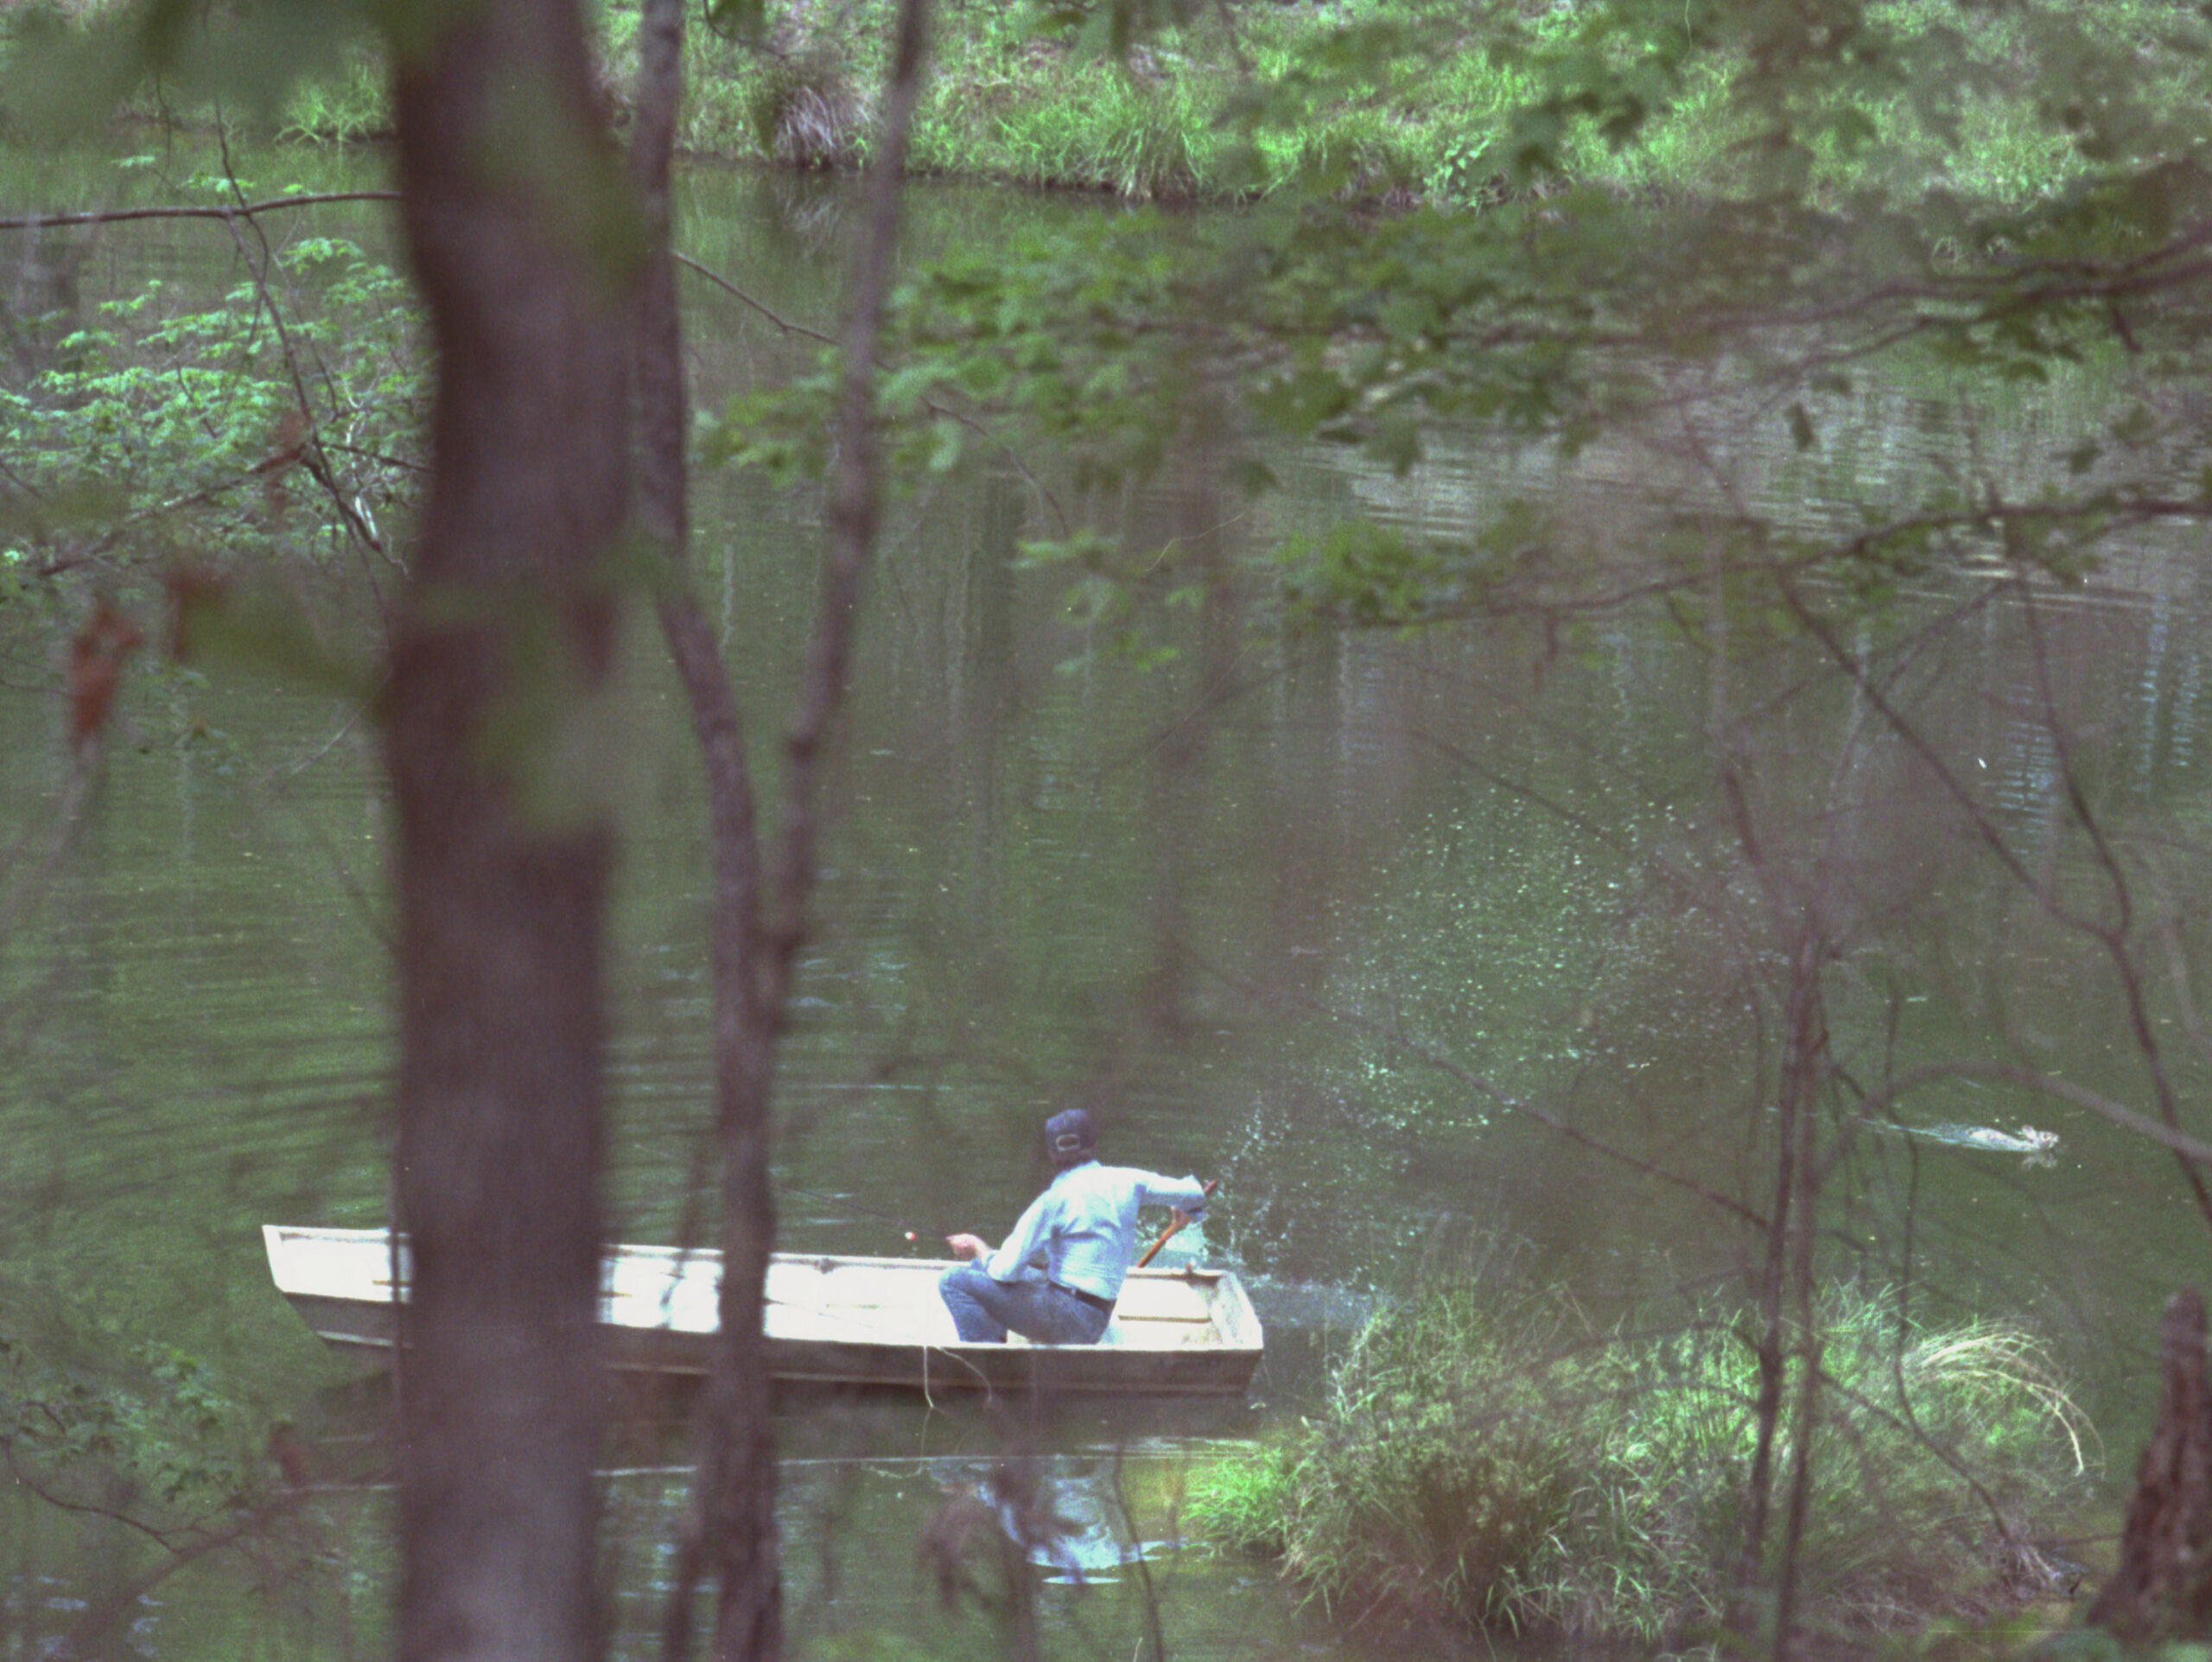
{"x": 1374, "y": 100}
{"x": 1486, "y": 1455}
{"x": 1486, "y": 1458}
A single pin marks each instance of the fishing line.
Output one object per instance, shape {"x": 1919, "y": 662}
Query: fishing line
{"x": 850, "y": 1205}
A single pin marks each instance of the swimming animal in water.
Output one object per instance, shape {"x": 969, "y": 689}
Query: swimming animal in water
{"x": 2035, "y": 1144}
{"x": 2028, "y": 1141}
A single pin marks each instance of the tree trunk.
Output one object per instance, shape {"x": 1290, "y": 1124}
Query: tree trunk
{"x": 2163, "y": 1588}
{"x": 502, "y": 643}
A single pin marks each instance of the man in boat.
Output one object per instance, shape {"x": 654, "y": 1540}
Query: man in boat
{"x": 1055, "y": 1278}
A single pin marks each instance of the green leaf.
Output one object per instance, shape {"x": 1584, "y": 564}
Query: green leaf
{"x": 949, "y": 438}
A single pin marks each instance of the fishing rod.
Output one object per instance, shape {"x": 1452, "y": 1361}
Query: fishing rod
{"x": 1168, "y": 1233}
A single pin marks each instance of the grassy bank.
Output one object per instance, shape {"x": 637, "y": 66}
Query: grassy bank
{"x": 1383, "y": 98}
{"x": 1483, "y": 1457}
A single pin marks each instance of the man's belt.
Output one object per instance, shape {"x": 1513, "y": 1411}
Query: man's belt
{"x": 1103, "y": 1306}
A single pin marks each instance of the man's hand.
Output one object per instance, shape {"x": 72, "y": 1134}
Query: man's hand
{"x": 967, "y": 1247}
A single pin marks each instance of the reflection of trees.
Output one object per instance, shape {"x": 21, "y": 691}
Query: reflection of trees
{"x": 1859, "y": 842}
{"x": 1711, "y": 964}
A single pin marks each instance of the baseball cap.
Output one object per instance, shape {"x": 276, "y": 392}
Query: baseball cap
{"x": 1069, "y": 1136}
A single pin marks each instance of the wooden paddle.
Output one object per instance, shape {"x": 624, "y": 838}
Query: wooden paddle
{"x": 1168, "y": 1233}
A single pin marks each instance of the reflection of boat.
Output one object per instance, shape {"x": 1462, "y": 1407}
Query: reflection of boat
{"x": 862, "y": 1320}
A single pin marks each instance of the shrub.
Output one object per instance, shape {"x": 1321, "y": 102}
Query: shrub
{"x": 94, "y": 1419}
{"x": 805, "y": 111}
{"x": 188, "y": 422}
{"x": 1496, "y": 1460}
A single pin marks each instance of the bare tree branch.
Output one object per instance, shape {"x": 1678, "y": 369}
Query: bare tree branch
{"x": 241, "y": 210}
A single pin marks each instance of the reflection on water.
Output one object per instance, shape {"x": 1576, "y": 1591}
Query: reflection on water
{"x": 960, "y": 1532}
{"x": 1330, "y": 936}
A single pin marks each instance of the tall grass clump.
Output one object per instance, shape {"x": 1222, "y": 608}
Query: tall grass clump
{"x": 805, "y": 112}
{"x": 349, "y": 104}
{"x": 1138, "y": 142}
{"x": 1496, "y": 1460}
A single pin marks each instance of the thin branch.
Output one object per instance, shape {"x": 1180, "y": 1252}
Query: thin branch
{"x": 241, "y": 210}
{"x": 84, "y": 1636}
{"x": 318, "y": 468}
{"x": 854, "y": 505}
{"x": 760, "y": 306}
{"x": 2111, "y": 936}
{"x": 2115, "y": 938}
{"x": 1043, "y": 492}
{"x": 728, "y": 1528}
{"x": 1855, "y": 672}
{"x": 61, "y": 1503}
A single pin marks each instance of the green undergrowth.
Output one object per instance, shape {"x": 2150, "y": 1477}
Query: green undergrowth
{"x": 182, "y": 445}
{"x": 184, "y": 425}
{"x": 92, "y": 1418}
{"x": 1391, "y": 99}
{"x": 1487, "y": 1457}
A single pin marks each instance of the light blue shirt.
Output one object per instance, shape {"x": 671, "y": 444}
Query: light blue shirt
{"x": 1082, "y": 1231}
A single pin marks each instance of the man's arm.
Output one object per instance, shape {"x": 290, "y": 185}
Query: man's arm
{"x": 1015, "y": 1251}
{"x": 1187, "y": 1195}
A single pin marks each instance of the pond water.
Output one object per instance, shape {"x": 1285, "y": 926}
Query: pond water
{"x": 1328, "y": 935}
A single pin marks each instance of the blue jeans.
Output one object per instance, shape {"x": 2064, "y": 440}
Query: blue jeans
{"x": 984, "y": 1309}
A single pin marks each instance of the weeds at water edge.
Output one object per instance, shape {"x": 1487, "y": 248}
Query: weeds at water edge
{"x": 1494, "y": 1460}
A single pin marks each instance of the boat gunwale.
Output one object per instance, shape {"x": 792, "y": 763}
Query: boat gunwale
{"x": 1222, "y": 1365}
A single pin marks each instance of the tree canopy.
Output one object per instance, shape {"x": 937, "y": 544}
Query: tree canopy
{"x": 1550, "y": 298}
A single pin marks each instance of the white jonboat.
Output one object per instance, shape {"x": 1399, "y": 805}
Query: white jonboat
{"x": 858, "y": 1321}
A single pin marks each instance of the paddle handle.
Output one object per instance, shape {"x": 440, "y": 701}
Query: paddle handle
{"x": 1168, "y": 1233}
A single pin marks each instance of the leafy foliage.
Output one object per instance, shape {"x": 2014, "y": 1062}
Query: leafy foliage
{"x": 125, "y": 1425}
{"x": 285, "y": 419}
{"x": 1485, "y": 1454}
{"x": 1537, "y": 299}
{"x": 1515, "y": 235}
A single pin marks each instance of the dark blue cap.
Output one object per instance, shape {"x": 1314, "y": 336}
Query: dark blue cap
{"x": 1070, "y": 1138}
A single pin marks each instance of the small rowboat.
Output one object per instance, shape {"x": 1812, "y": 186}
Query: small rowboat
{"x": 858, "y": 1321}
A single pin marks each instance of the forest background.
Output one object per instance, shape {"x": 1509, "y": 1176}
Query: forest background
{"x": 1513, "y": 228}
